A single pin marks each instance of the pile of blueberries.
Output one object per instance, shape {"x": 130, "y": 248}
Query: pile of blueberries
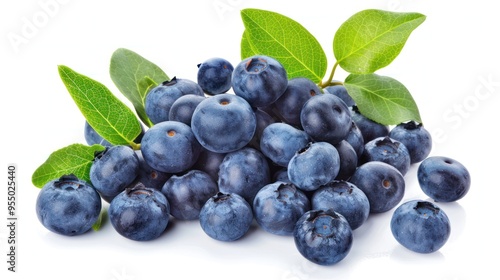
{"x": 298, "y": 160}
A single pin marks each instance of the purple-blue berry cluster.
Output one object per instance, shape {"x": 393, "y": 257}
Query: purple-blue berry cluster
{"x": 298, "y": 160}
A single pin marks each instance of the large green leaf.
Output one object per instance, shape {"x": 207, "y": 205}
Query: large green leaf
{"x": 372, "y": 39}
{"x": 275, "y": 35}
{"x": 110, "y": 117}
{"x": 382, "y": 99}
{"x": 134, "y": 76}
{"x": 74, "y": 159}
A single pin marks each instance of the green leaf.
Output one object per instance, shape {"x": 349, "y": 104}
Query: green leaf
{"x": 134, "y": 76}
{"x": 74, "y": 159}
{"x": 110, "y": 118}
{"x": 382, "y": 99}
{"x": 101, "y": 219}
{"x": 247, "y": 50}
{"x": 372, "y": 39}
{"x": 272, "y": 34}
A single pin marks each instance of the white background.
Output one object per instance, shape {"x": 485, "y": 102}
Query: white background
{"x": 450, "y": 64}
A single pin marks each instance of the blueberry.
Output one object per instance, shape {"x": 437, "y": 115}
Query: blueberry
{"x": 416, "y": 139}
{"x": 278, "y": 206}
{"x": 226, "y": 217}
{"x": 369, "y": 129}
{"x": 260, "y": 80}
{"x": 209, "y": 163}
{"x": 224, "y": 123}
{"x": 420, "y": 226}
{"x": 149, "y": 176}
{"x": 290, "y": 103}
{"x": 160, "y": 99}
{"x": 263, "y": 120}
{"x": 170, "y": 147}
{"x": 323, "y": 236}
{"x": 113, "y": 170}
{"x": 443, "y": 179}
{"x": 244, "y": 172}
{"x": 316, "y": 164}
{"x": 182, "y": 109}
{"x": 214, "y": 75}
{"x": 188, "y": 192}
{"x": 326, "y": 118}
{"x": 341, "y": 92}
{"x": 344, "y": 198}
{"x": 355, "y": 138}
{"x": 68, "y": 206}
{"x": 281, "y": 175}
{"x": 92, "y": 137}
{"x": 383, "y": 184}
{"x": 280, "y": 142}
{"x": 139, "y": 213}
{"x": 387, "y": 150}
{"x": 348, "y": 160}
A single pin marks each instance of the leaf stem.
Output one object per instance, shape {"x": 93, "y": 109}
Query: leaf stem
{"x": 330, "y": 78}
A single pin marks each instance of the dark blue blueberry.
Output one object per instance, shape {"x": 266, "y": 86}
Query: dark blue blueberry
{"x": 315, "y": 165}
{"x": 113, "y": 170}
{"x": 280, "y": 142}
{"x": 278, "y": 206}
{"x": 290, "y": 103}
{"x": 443, "y": 179}
{"x": 281, "y": 175}
{"x": 139, "y": 213}
{"x": 209, "y": 163}
{"x": 170, "y": 147}
{"x": 214, "y": 75}
{"x": 387, "y": 150}
{"x": 226, "y": 217}
{"x": 68, "y": 206}
{"x": 325, "y": 117}
{"x": 244, "y": 172}
{"x": 159, "y": 100}
{"x": 188, "y": 192}
{"x": 348, "y": 160}
{"x": 355, "y": 138}
{"x": 383, "y": 184}
{"x": 224, "y": 123}
{"x": 182, "y": 109}
{"x": 344, "y": 198}
{"x": 369, "y": 129}
{"x": 323, "y": 237}
{"x": 263, "y": 121}
{"x": 149, "y": 176}
{"x": 92, "y": 137}
{"x": 416, "y": 139}
{"x": 260, "y": 80}
{"x": 420, "y": 226}
{"x": 341, "y": 92}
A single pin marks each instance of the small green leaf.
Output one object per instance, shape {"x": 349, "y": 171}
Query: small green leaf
{"x": 272, "y": 34}
{"x": 134, "y": 75}
{"x": 382, "y": 99}
{"x": 372, "y": 39}
{"x": 101, "y": 219}
{"x": 110, "y": 118}
{"x": 74, "y": 159}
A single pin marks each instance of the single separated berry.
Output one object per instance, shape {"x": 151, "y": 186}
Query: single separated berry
{"x": 443, "y": 179}
{"x": 323, "y": 237}
{"x": 68, "y": 206}
{"x": 420, "y": 226}
{"x": 214, "y": 75}
{"x": 260, "y": 80}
